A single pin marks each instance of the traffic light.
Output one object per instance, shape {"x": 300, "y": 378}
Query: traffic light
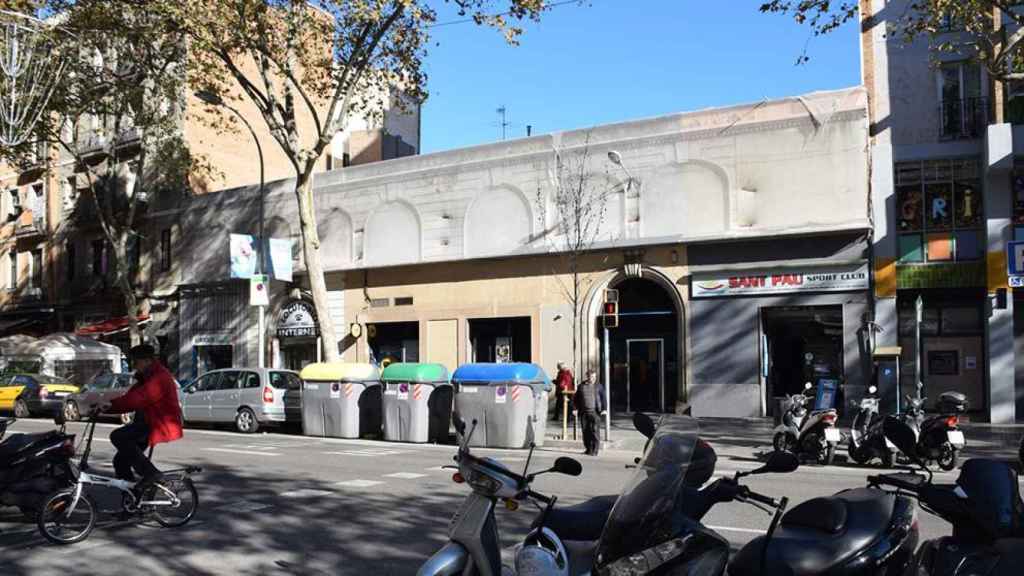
{"x": 611, "y": 314}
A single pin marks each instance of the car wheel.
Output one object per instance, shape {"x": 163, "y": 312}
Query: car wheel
{"x": 245, "y": 421}
{"x": 71, "y": 412}
{"x": 127, "y": 417}
{"x": 21, "y": 409}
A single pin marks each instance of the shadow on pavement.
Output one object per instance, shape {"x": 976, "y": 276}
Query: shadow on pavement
{"x": 326, "y": 531}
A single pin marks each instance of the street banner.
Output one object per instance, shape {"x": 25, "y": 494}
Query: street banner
{"x": 243, "y": 256}
{"x": 258, "y": 293}
{"x": 281, "y": 259}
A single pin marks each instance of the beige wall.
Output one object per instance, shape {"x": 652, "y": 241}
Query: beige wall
{"x": 447, "y": 296}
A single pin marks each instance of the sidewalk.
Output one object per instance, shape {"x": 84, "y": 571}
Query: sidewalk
{"x": 751, "y": 434}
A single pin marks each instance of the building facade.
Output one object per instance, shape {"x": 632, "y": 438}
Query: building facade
{"x": 737, "y": 240}
{"x": 946, "y": 199}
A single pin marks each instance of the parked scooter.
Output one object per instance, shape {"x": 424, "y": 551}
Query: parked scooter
{"x": 33, "y": 465}
{"x": 867, "y": 439}
{"x": 474, "y": 546}
{"x": 939, "y": 437}
{"x": 808, "y": 433}
{"x": 984, "y": 507}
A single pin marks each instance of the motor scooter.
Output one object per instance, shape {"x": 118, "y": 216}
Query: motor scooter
{"x": 939, "y": 437}
{"x": 808, "y": 432}
{"x": 984, "y": 508}
{"x": 33, "y": 465}
{"x": 867, "y": 439}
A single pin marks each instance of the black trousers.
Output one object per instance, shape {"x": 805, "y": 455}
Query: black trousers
{"x": 591, "y": 423}
{"x": 131, "y": 441}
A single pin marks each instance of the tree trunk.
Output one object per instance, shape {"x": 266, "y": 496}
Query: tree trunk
{"x": 314, "y": 266}
{"x": 123, "y": 281}
{"x": 998, "y": 87}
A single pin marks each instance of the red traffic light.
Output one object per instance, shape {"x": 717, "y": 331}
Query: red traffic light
{"x": 611, "y": 308}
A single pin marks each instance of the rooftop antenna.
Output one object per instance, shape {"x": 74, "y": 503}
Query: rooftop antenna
{"x": 504, "y": 123}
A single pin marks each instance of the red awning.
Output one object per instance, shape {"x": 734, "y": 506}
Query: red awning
{"x": 108, "y": 327}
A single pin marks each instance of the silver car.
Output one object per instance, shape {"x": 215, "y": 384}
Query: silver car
{"x": 247, "y": 397}
{"x": 103, "y": 388}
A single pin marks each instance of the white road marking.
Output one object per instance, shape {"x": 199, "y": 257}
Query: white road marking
{"x": 243, "y": 506}
{"x": 366, "y": 452}
{"x": 248, "y": 452}
{"x": 732, "y": 529}
{"x": 305, "y": 493}
{"x": 358, "y": 483}
{"x": 405, "y": 475}
{"x": 438, "y": 469}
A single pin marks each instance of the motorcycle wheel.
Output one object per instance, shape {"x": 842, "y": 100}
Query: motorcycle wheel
{"x": 780, "y": 442}
{"x": 888, "y": 459}
{"x": 860, "y": 455}
{"x": 828, "y": 457}
{"x": 947, "y": 457}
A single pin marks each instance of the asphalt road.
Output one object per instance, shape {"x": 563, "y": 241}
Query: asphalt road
{"x": 284, "y": 504}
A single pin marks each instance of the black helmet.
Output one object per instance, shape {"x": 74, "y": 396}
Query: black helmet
{"x": 702, "y": 465}
{"x": 141, "y": 352}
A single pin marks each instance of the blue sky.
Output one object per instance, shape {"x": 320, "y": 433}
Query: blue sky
{"x": 619, "y": 60}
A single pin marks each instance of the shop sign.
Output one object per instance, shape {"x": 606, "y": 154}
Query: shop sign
{"x": 297, "y": 320}
{"x": 211, "y": 340}
{"x": 823, "y": 279}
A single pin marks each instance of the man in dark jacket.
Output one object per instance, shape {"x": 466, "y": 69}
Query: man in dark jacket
{"x": 590, "y": 404}
{"x": 154, "y": 399}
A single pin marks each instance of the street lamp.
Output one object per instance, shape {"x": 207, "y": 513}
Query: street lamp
{"x": 215, "y": 100}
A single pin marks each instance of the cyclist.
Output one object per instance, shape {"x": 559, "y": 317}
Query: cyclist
{"x": 154, "y": 399}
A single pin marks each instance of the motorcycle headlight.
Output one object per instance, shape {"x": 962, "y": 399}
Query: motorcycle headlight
{"x": 483, "y": 483}
{"x": 647, "y": 561}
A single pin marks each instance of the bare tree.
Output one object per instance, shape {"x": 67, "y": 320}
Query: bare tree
{"x": 573, "y": 218}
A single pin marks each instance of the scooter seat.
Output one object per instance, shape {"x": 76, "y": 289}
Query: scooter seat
{"x": 15, "y": 443}
{"x": 818, "y": 535}
{"x": 581, "y": 522}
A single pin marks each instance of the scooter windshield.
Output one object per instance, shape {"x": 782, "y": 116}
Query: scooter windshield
{"x": 643, "y": 514}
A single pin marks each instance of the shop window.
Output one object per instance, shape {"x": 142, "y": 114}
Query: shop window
{"x": 910, "y": 248}
{"x": 942, "y": 200}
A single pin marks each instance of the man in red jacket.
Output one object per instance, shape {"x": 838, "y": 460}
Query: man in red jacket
{"x": 154, "y": 399}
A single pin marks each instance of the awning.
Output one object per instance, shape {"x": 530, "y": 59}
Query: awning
{"x": 108, "y": 327}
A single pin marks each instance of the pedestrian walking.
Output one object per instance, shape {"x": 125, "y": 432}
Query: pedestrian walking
{"x": 564, "y": 385}
{"x": 590, "y": 404}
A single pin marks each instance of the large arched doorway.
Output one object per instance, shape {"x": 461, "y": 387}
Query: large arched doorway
{"x": 644, "y": 350}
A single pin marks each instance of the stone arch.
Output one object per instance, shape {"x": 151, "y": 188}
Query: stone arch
{"x": 393, "y": 235}
{"x": 335, "y": 228}
{"x": 497, "y": 221}
{"x": 688, "y": 198}
{"x": 592, "y": 307}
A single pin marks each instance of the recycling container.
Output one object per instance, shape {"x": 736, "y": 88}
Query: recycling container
{"x": 341, "y": 400}
{"x": 417, "y": 402}
{"x": 509, "y": 403}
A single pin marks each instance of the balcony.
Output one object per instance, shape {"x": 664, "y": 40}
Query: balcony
{"x": 30, "y": 228}
{"x": 97, "y": 140}
{"x": 963, "y": 119}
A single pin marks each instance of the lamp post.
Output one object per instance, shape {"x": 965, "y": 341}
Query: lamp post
{"x": 215, "y": 100}
{"x": 615, "y": 158}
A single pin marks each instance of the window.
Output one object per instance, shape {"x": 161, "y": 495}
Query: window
{"x": 103, "y": 381}
{"x": 12, "y": 274}
{"x": 165, "y": 250}
{"x": 69, "y": 255}
{"x": 99, "y": 258}
{"x": 207, "y": 382}
{"x": 251, "y": 380}
{"x": 13, "y": 204}
{"x": 964, "y": 112}
{"x": 939, "y": 211}
{"x": 229, "y": 380}
{"x": 36, "y": 271}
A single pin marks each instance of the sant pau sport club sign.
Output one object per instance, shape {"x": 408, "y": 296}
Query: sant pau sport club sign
{"x": 787, "y": 281}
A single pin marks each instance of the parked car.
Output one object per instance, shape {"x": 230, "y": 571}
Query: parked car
{"x": 104, "y": 387}
{"x": 247, "y": 397}
{"x": 31, "y": 394}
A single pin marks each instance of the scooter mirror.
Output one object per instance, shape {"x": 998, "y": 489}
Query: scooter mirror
{"x": 644, "y": 424}
{"x": 780, "y": 463}
{"x": 872, "y": 389}
{"x": 902, "y": 436}
{"x": 567, "y": 466}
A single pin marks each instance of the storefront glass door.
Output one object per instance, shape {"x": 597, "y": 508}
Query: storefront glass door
{"x": 645, "y": 375}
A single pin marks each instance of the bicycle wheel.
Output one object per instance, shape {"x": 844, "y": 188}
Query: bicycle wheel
{"x": 187, "y": 502}
{"x": 59, "y": 524}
